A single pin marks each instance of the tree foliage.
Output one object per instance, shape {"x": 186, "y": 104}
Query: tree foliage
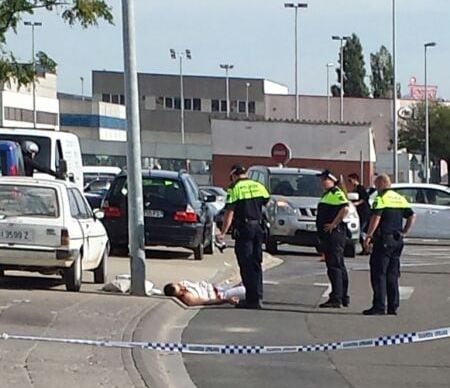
{"x": 382, "y": 77}
{"x": 412, "y": 132}
{"x": 85, "y": 12}
{"x": 354, "y": 70}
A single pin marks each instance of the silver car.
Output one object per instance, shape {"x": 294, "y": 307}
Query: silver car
{"x": 292, "y": 208}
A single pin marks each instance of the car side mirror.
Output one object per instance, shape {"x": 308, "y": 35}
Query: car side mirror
{"x": 209, "y": 198}
{"x": 62, "y": 168}
{"x": 353, "y": 196}
{"x": 99, "y": 214}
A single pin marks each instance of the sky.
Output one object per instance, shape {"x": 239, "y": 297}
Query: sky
{"x": 256, "y": 36}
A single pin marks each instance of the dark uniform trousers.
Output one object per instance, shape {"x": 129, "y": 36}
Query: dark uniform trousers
{"x": 248, "y": 249}
{"x": 385, "y": 270}
{"x": 333, "y": 245}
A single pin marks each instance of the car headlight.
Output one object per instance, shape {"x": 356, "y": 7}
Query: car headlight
{"x": 285, "y": 208}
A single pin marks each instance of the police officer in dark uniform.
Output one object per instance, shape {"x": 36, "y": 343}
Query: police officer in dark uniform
{"x": 243, "y": 208}
{"x": 332, "y": 232}
{"x": 385, "y": 236}
{"x": 29, "y": 150}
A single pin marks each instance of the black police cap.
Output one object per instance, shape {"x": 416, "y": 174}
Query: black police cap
{"x": 326, "y": 174}
{"x": 237, "y": 169}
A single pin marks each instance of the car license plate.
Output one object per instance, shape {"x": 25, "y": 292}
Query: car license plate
{"x": 153, "y": 213}
{"x": 16, "y": 235}
{"x": 311, "y": 227}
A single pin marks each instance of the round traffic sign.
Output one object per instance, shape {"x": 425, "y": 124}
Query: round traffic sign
{"x": 281, "y": 153}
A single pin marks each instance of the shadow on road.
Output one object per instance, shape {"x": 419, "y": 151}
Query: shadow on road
{"x": 156, "y": 254}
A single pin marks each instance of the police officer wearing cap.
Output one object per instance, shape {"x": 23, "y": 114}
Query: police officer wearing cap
{"x": 243, "y": 208}
{"x": 385, "y": 237}
{"x": 332, "y": 232}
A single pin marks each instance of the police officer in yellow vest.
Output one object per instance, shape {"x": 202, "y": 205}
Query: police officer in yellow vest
{"x": 385, "y": 237}
{"x": 244, "y": 204}
{"x": 332, "y": 232}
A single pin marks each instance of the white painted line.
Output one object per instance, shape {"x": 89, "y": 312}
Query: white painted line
{"x": 406, "y": 292}
{"x": 271, "y": 282}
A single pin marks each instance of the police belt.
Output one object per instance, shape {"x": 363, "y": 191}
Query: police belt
{"x": 246, "y": 221}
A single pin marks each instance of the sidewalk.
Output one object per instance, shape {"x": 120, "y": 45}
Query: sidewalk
{"x": 40, "y": 306}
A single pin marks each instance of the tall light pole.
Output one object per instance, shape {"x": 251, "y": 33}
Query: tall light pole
{"x": 427, "y": 118}
{"x": 135, "y": 195}
{"x": 296, "y": 6}
{"x": 227, "y": 68}
{"x": 328, "y": 66}
{"x": 181, "y": 54}
{"x": 82, "y": 88}
{"x": 247, "y": 86}
{"x": 394, "y": 94}
{"x": 33, "y": 59}
{"x": 342, "y": 39}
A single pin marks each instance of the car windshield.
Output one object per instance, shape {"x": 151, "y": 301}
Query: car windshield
{"x": 28, "y": 201}
{"x": 164, "y": 190}
{"x": 295, "y": 185}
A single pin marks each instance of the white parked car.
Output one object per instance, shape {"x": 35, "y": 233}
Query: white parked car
{"x": 431, "y": 203}
{"x": 47, "y": 226}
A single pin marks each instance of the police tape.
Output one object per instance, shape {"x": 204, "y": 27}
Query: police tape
{"x": 388, "y": 340}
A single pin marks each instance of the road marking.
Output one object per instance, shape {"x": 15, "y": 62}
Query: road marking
{"x": 327, "y": 291}
{"x": 238, "y": 329}
{"x": 271, "y": 282}
{"x": 406, "y": 292}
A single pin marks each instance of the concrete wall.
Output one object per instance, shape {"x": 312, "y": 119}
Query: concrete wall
{"x": 250, "y": 142}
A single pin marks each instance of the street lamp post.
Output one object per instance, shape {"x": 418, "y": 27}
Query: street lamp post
{"x": 247, "y": 86}
{"x": 296, "y": 6}
{"x": 341, "y": 39}
{"x": 33, "y": 25}
{"x": 227, "y": 68}
{"x": 134, "y": 175}
{"x": 328, "y": 66}
{"x": 181, "y": 54}
{"x": 427, "y": 118}
{"x": 82, "y": 88}
{"x": 394, "y": 94}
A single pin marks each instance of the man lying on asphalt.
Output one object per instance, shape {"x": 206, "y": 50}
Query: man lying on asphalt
{"x": 204, "y": 293}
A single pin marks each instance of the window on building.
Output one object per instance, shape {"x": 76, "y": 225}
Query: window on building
{"x": 122, "y": 99}
{"x": 177, "y": 103}
{"x": 168, "y": 103}
{"x": 223, "y": 105}
{"x": 215, "y": 106}
{"x": 241, "y": 106}
{"x": 160, "y": 102}
{"x": 47, "y": 118}
{"x": 187, "y": 104}
{"x": 251, "y": 107}
{"x": 197, "y": 104}
{"x": 106, "y": 97}
{"x": 115, "y": 98}
{"x": 233, "y": 106}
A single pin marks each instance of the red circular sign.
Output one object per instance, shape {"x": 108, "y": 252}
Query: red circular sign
{"x": 281, "y": 153}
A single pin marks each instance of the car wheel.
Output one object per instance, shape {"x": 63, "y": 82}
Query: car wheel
{"x": 100, "y": 272}
{"x": 271, "y": 245}
{"x": 73, "y": 275}
{"x": 199, "y": 252}
{"x": 210, "y": 248}
{"x": 2, "y": 272}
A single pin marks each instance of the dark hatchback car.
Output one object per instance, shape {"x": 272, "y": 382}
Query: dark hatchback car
{"x": 175, "y": 213}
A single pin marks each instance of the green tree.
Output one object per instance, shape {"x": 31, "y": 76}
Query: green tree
{"x": 85, "y": 12}
{"x": 354, "y": 70}
{"x": 382, "y": 77}
{"x": 412, "y": 132}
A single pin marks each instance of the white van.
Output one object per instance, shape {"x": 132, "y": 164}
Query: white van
{"x": 100, "y": 172}
{"x": 57, "y": 150}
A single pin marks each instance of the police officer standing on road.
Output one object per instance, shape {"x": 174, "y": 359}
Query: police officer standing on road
{"x": 243, "y": 208}
{"x": 332, "y": 232}
{"x": 386, "y": 233}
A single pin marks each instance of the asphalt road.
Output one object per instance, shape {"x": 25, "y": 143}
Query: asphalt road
{"x": 291, "y": 317}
